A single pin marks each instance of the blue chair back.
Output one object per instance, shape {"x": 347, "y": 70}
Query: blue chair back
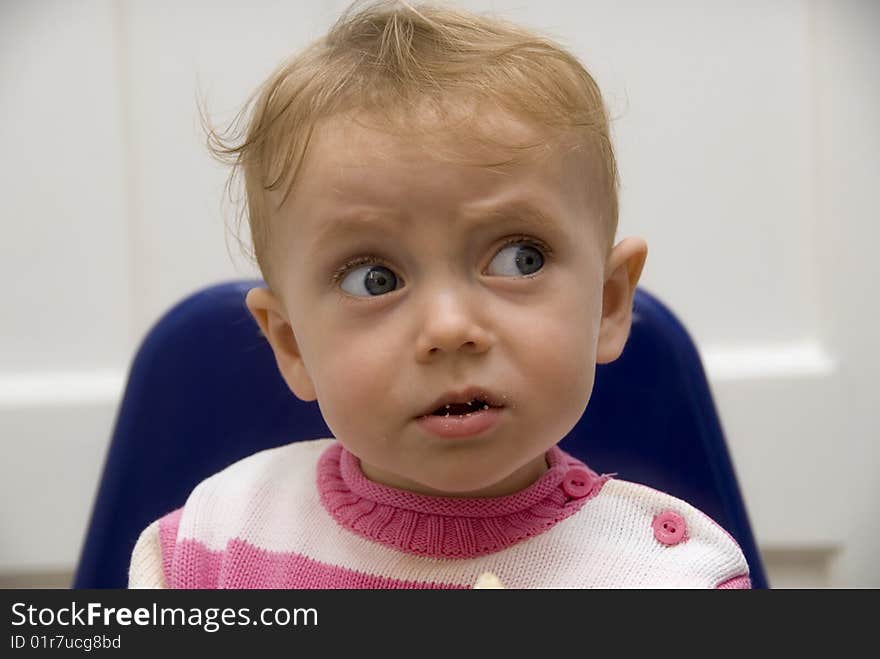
{"x": 204, "y": 391}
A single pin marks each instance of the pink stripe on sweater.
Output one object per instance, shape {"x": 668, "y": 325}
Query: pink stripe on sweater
{"x": 242, "y": 566}
{"x": 741, "y": 582}
{"x": 167, "y": 538}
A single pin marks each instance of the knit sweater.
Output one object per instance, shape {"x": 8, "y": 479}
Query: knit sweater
{"x": 304, "y": 516}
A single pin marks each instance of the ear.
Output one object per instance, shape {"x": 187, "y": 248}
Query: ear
{"x": 622, "y": 272}
{"x": 270, "y": 316}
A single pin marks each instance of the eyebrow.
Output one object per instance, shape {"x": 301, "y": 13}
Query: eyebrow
{"x": 521, "y": 211}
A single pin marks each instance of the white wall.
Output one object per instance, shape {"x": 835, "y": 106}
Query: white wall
{"x": 747, "y": 140}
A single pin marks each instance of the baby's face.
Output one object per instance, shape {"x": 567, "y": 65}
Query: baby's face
{"x": 407, "y": 277}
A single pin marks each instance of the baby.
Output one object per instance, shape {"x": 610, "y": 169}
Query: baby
{"x": 432, "y": 198}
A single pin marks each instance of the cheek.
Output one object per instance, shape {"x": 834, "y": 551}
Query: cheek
{"x": 558, "y": 355}
{"x": 354, "y": 380}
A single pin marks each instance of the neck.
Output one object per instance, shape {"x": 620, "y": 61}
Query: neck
{"x": 518, "y": 480}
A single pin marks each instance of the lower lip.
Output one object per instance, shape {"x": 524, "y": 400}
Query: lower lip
{"x": 462, "y": 425}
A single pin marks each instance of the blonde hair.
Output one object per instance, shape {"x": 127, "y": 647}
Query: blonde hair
{"x": 387, "y": 59}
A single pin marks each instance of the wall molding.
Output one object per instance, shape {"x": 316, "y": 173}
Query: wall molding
{"x": 61, "y": 388}
{"x": 761, "y": 361}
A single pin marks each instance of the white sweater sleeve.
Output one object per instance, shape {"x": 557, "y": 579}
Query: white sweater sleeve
{"x": 145, "y": 570}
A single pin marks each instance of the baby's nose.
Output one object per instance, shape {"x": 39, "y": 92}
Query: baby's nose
{"x": 451, "y": 324}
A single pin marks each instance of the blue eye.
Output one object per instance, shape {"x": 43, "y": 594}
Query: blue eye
{"x": 518, "y": 258}
{"x": 369, "y": 281}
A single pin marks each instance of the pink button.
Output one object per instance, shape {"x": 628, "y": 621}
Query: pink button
{"x": 578, "y": 482}
{"x": 669, "y": 528}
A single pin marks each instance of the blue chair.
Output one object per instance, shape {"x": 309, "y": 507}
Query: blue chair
{"x": 204, "y": 391}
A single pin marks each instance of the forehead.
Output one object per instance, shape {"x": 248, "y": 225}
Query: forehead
{"x": 461, "y": 163}
{"x": 465, "y": 137}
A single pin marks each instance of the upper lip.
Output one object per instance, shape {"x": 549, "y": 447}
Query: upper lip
{"x": 465, "y": 395}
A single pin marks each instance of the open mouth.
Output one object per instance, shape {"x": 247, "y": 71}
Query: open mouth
{"x": 458, "y": 409}
{"x": 453, "y": 418}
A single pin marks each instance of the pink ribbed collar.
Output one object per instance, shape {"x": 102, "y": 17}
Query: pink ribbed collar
{"x": 446, "y": 527}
